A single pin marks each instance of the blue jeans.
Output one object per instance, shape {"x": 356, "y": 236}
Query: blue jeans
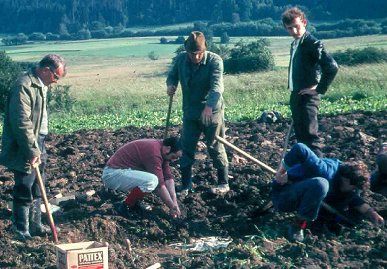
{"x": 304, "y": 196}
{"x": 127, "y": 179}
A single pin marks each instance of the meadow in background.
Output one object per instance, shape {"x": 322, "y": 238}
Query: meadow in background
{"x": 120, "y": 82}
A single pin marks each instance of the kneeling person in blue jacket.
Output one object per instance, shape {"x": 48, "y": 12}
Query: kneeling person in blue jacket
{"x": 304, "y": 181}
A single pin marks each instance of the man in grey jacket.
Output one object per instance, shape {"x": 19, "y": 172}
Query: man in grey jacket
{"x": 24, "y": 132}
{"x": 200, "y": 73}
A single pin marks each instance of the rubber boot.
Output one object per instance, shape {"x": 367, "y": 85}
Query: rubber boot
{"x": 20, "y": 220}
{"x": 186, "y": 177}
{"x": 223, "y": 175}
{"x": 223, "y": 186}
{"x": 36, "y": 226}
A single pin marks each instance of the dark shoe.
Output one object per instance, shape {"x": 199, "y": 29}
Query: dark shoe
{"x": 143, "y": 206}
{"x": 334, "y": 228}
{"x": 123, "y": 209}
{"x": 295, "y": 234}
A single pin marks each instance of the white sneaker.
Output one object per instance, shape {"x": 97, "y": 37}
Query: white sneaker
{"x": 221, "y": 189}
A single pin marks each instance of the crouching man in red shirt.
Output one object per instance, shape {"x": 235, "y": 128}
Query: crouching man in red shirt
{"x": 141, "y": 167}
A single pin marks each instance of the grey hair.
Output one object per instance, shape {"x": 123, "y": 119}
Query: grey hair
{"x": 53, "y": 61}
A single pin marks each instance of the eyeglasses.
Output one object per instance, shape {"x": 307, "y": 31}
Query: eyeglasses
{"x": 56, "y": 76}
{"x": 193, "y": 54}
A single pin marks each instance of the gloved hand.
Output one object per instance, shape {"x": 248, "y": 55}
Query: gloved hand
{"x": 206, "y": 116}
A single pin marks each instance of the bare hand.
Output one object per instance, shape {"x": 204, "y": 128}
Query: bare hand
{"x": 281, "y": 178}
{"x": 376, "y": 218}
{"x": 35, "y": 162}
{"x": 171, "y": 90}
{"x": 175, "y": 212}
{"x": 206, "y": 116}
{"x": 308, "y": 91}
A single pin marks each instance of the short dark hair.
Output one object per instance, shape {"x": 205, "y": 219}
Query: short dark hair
{"x": 173, "y": 142}
{"x": 356, "y": 172}
{"x": 291, "y": 14}
{"x": 53, "y": 61}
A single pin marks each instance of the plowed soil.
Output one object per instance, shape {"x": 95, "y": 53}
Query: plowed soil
{"x": 75, "y": 166}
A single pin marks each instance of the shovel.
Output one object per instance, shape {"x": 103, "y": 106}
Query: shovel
{"x": 269, "y": 204}
{"x": 269, "y": 169}
{"x": 286, "y": 142}
{"x": 168, "y": 116}
{"x": 44, "y": 195}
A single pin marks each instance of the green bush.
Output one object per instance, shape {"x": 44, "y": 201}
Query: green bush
{"x": 255, "y": 56}
{"x": 82, "y": 34}
{"x": 37, "y": 36}
{"x": 97, "y": 26}
{"x": 99, "y": 34}
{"x": 51, "y": 36}
{"x": 153, "y": 55}
{"x": 59, "y": 99}
{"x": 9, "y": 71}
{"x": 163, "y": 40}
{"x": 19, "y": 39}
{"x": 126, "y": 33}
{"x": 180, "y": 40}
{"x": 361, "y": 56}
{"x": 224, "y": 39}
{"x": 222, "y": 50}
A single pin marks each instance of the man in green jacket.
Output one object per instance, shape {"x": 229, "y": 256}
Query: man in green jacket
{"x": 24, "y": 131}
{"x": 200, "y": 74}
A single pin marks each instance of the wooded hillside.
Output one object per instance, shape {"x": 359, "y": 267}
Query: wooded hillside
{"x": 68, "y": 16}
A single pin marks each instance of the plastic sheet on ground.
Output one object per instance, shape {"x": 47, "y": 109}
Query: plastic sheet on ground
{"x": 204, "y": 244}
{"x": 53, "y": 208}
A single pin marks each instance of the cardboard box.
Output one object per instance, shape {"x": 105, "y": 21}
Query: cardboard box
{"x": 84, "y": 255}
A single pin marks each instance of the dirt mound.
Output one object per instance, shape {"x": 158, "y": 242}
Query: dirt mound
{"x": 75, "y": 166}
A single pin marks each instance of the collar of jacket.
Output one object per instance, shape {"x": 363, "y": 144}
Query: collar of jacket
{"x": 35, "y": 82}
{"x": 306, "y": 34}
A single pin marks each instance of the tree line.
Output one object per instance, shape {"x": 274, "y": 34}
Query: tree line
{"x": 265, "y": 27}
{"x": 65, "y": 17}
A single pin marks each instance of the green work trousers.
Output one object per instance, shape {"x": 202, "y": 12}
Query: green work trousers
{"x": 192, "y": 129}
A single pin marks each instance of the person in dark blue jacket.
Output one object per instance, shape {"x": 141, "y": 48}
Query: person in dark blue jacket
{"x": 303, "y": 181}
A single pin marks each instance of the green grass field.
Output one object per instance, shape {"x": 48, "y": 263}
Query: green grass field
{"x": 115, "y": 84}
